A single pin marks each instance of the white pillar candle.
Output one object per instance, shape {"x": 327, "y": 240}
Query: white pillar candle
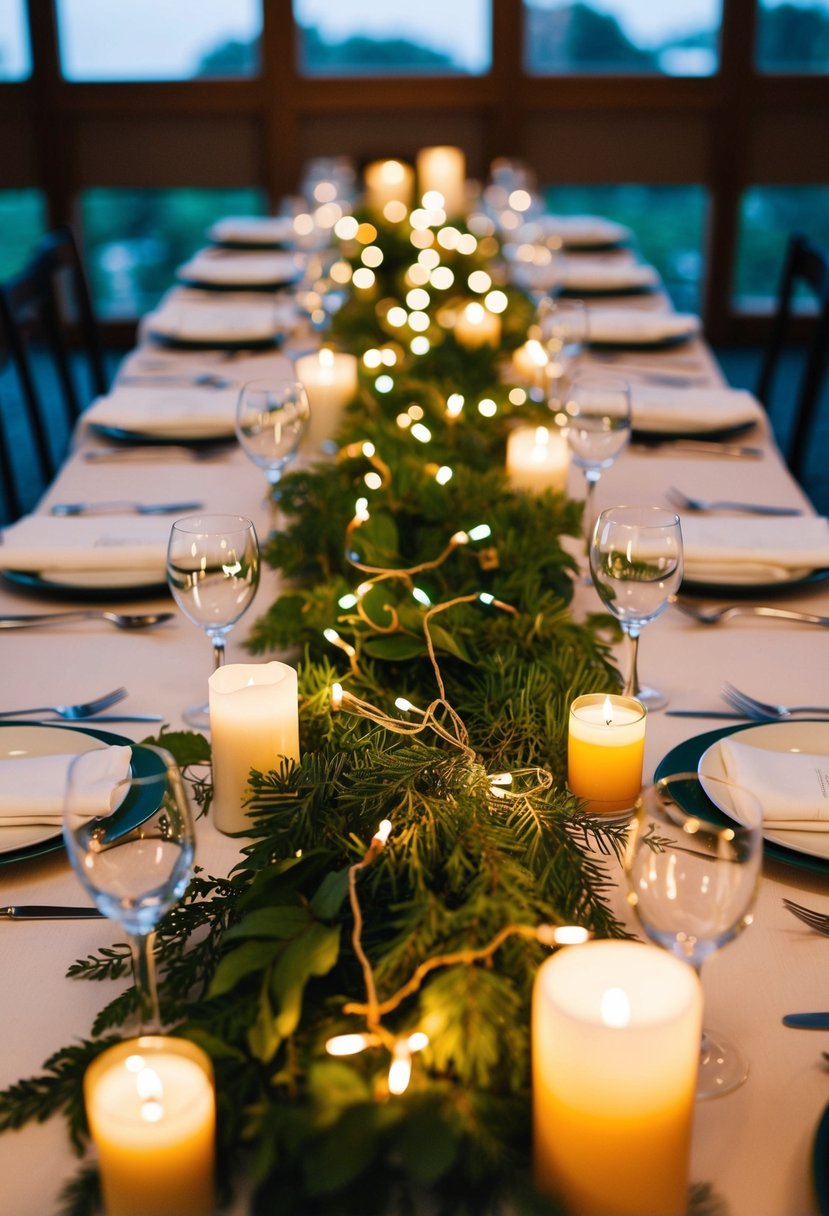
{"x": 476, "y": 326}
{"x": 151, "y": 1111}
{"x": 538, "y": 458}
{"x": 443, "y": 169}
{"x": 388, "y": 181}
{"x": 330, "y": 379}
{"x": 605, "y": 751}
{"x": 616, "y": 1032}
{"x": 254, "y": 722}
{"x": 530, "y": 362}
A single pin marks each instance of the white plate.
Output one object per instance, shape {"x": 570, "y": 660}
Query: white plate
{"x": 88, "y": 580}
{"x": 39, "y": 741}
{"x": 810, "y": 737}
{"x": 233, "y": 270}
{"x": 629, "y": 327}
{"x": 244, "y": 230}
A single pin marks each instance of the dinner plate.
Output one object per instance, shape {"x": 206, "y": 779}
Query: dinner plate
{"x": 253, "y": 232}
{"x": 169, "y": 437}
{"x": 749, "y": 590}
{"x": 244, "y": 272}
{"x": 715, "y": 433}
{"x": 685, "y": 758}
{"x": 28, "y": 739}
{"x": 820, "y": 1163}
{"x": 625, "y": 328}
{"x": 806, "y": 736}
{"x": 89, "y": 584}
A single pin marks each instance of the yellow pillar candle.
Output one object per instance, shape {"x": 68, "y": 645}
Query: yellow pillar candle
{"x": 254, "y": 722}
{"x": 616, "y": 1032}
{"x": 330, "y": 380}
{"x": 476, "y": 326}
{"x": 605, "y": 751}
{"x": 388, "y": 181}
{"x": 443, "y": 169}
{"x": 537, "y": 459}
{"x": 151, "y": 1112}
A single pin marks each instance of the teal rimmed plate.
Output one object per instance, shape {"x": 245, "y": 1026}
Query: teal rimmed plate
{"x": 19, "y": 738}
{"x": 685, "y": 758}
{"x": 820, "y": 1163}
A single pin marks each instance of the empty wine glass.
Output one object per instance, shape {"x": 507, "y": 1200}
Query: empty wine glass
{"x": 636, "y": 563}
{"x": 272, "y": 416}
{"x": 595, "y": 418}
{"x": 563, "y": 326}
{"x": 131, "y": 843}
{"x": 213, "y": 573}
{"x": 692, "y": 875}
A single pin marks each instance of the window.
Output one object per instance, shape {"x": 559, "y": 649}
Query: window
{"x": 668, "y": 222}
{"x": 768, "y": 216}
{"x": 22, "y": 224}
{"x": 621, "y": 36}
{"x": 135, "y": 239}
{"x": 362, "y": 37}
{"x": 15, "y": 53}
{"x": 793, "y": 36}
{"x": 158, "y": 40}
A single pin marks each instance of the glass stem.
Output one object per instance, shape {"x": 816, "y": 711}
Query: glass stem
{"x": 218, "y": 652}
{"x": 591, "y": 477}
{"x": 143, "y": 970}
{"x": 632, "y": 683}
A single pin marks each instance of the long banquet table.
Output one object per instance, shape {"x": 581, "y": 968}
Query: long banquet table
{"x": 753, "y": 1146}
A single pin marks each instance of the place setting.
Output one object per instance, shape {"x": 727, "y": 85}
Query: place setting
{"x": 221, "y": 270}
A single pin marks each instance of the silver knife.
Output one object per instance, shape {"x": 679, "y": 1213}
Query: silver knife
{"x": 704, "y": 447}
{"x": 706, "y": 713}
{"x": 48, "y": 912}
{"x": 807, "y": 1021}
{"x": 57, "y": 720}
{"x": 115, "y": 508}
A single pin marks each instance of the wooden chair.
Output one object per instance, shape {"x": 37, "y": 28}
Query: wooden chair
{"x": 808, "y": 264}
{"x": 45, "y": 310}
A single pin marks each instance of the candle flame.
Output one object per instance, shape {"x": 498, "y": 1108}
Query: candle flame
{"x": 326, "y": 357}
{"x": 608, "y": 711}
{"x": 615, "y": 1008}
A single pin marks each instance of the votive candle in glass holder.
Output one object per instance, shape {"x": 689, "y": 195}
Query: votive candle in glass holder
{"x": 254, "y": 723}
{"x": 151, "y": 1110}
{"x": 388, "y": 181}
{"x": 538, "y": 458}
{"x": 605, "y": 751}
{"x": 615, "y": 1046}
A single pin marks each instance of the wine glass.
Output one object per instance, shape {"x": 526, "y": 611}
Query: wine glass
{"x": 636, "y": 563}
{"x": 213, "y": 573}
{"x": 595, "y": 419}
{"x": 272, "y": 416}
{"x": 563, "y": 326}
{"x": 131, "y": 843}
{"x": 692, "y": 875}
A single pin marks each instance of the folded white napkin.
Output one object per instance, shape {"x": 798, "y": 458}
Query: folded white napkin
{"x": 42, "y": 543}
{"x": 32, "y": 788}
{"x": 575, "y": 230}
{"x": 719, "y": 548}
{"x": 793, "y": 787}
{"x": 640, "y": 326}
{"x": 206, "y": 322}
{"x": 253, "y": 230}
{"x": 654, "y": 408}
{"x": 245, "y": 269}
{"x": 167, "y": 411}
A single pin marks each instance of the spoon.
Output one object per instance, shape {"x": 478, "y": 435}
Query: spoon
{"x": 122, "y": 620}
{"x": 138, "y": 508}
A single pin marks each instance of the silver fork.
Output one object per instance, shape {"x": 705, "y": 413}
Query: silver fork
{"x": 713, "y": 615}
{"x": 85, "y": 709}
{"x": 753, "y": 708}
{"x": 686, "y": 503}
{"x": 819, "y": 921}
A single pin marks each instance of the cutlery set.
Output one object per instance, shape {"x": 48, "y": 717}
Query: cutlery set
{"x": 119, "y": 508}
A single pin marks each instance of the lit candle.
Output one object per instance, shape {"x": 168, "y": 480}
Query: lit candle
{"x": 537, "y": 459}
{"x": 388, "y": 181}
{"x": 605, "y": 751}
{"x": 151, "y": 1112}
{"x": 476, "y": 326}
{"x": 443, "y": 169}
{"x": 330, "y": 379}
{"x": 615, "y": 1046}
{"x": 530, "y": 362}
{"x": 254, "y": 722}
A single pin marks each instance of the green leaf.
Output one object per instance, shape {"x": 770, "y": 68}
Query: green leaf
{"x": 443, "y": 640}
{"x": 394, "y": 647}
{"x": 329, "y": 898}
{"x": 377, "y": 541}
{"x": 336, "y": 1083}
{"x": 426, "y": 1144}
{"x": 281, "y": 922}
{"x": 245, "y": 960}
{"x": 314, "y": 953}
{"x": 263, "y": 1036}
{"x": 186, "y": 747}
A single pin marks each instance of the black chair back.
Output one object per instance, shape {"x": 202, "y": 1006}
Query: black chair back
{"x": 808, "y": 264}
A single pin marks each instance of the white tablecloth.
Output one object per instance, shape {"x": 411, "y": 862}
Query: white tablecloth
{"x": 754, "y": 1145}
